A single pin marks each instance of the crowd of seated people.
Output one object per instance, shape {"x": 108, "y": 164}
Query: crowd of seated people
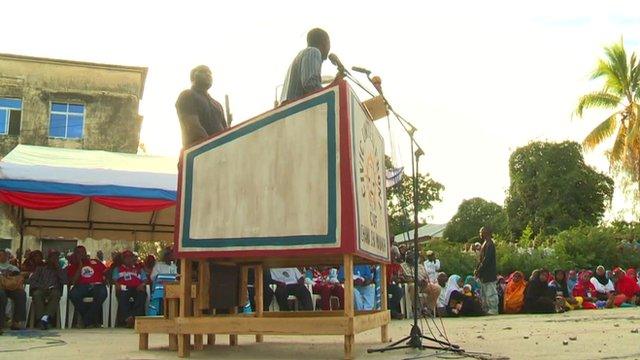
{"x": 455, "y": 295}
{"x": 87, "y": 279}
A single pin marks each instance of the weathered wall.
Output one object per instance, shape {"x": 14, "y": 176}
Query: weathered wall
{"x": 111, "y": 97}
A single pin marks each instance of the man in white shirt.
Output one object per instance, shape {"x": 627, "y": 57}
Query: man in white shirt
{"x": 290, "y": 281}
{"x": 432, "y": 265}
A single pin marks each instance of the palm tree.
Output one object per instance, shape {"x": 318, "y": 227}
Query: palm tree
{"x": 621, "y": 75}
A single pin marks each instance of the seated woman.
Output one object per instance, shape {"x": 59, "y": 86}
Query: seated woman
{"x": 475, "y": 286}
{"x": 539, "y": 298}
{"x": 559, "y": 284}
{"x": 627, "y": 289}
{"x": 514, "y": 293}
{"x": 457, "y": 304}
{"x": 584, "y": 291}
{"x": 604, "y": 289}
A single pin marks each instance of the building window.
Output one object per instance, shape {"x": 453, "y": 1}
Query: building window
{"x": 10, "y": 116}
{"x": 66, "y": 121}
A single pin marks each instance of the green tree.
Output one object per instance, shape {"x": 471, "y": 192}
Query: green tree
{"x": 400, "y": 199}
{"x": 471, "y": 216}
{"x": 621, "y": 75}
{"x": 552, "y": 189}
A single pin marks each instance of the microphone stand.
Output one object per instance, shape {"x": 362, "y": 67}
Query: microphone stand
{"x": 415, "y": 337}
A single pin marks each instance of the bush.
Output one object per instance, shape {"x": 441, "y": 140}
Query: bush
{"x": 582, "y": 247}
{"x": 452, "y": 259}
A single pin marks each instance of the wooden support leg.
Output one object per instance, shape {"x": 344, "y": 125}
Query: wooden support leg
{"x": 348, "y": 303}
{"x": 143, "y": 344}
{"x": 258, "y": 289}
{"x": 348, "y": 346}
{"x": 172, "y": 309}
{"x": 211, "y": 339}
{"x": 233, "y": 338}
{"x": 184, "y": 340}
{"x": 384, "y": 329}
{"x": 198, "y": 340}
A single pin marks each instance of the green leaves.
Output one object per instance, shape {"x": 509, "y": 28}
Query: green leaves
{"x": 400, "y": 200}
{"x": 552, "y": 189}
{"x": 621, "y": 75}
{"x": 471, "y": 216}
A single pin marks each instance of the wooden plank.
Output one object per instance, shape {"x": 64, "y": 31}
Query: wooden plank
{"x": 301, "y": 314}
{"x": 173, "y": 308}
{"x": 348, "y": 346}
{"x": 370, "y": 321}
{"x": 244, "y": 281}
{"x": 233, "y": 338}
{"x": 143, "y": 343}
{"x": 172, "y": 291}
{"x": 348, "y": 285}
{"x": 384, "y": 329}
{"x": 155, "y": 325}
{"x": 211, "y": 339}
{"x": 198, "y": 340}
{"x": 203, "y": 286}
{"x": 184, "y": 339}
{"x": 258, "y": 287}
{"x": 268, "y": 326}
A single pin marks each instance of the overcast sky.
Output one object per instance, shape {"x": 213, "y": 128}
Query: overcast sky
{"x": 477, "y": 78}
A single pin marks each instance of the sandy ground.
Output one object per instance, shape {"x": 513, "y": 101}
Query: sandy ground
{"x": 599, "y": 334}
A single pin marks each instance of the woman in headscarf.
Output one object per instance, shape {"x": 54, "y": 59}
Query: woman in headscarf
{"x": 539, "y": 298}
{"x": 559, "y": 284}
{"x": 501, "y": 285}
{"x": 457, "y": 304}
{"x": 514, "y": 293}
{"x": 585, "y": 290}
{"x": 33, "y": 261}
{"x": 475, "y": 287}
{"x": 605, "y": 291}
{"x": 627, "y": 289}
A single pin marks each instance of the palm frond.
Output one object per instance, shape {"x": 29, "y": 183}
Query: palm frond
{"x": 601, "y": 132}
{"x": 617, "y": 151}
{"x": 597, "y": 100}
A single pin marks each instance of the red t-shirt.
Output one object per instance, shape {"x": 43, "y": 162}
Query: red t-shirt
{"x": 92, "y": 272}
{"x": 130, "y": 276}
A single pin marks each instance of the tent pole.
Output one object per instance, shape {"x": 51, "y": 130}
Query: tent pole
{"x": 20, "y": 249}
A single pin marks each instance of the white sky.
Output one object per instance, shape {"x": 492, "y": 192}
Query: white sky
{"x": 477, "y": 78}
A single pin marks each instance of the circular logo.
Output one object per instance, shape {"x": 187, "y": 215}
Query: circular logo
{"x": 87, "y": 272}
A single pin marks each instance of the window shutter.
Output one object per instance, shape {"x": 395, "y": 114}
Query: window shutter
{"x": 15, "y": 117}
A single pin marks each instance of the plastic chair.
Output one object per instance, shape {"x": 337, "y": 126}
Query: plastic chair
{"x": 113, "y": 306}
{"x": 105, "y": 309}
{"x": 314, "y": 297}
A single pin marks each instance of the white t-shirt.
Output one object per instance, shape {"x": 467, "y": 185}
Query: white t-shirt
{"x": 286, "y": 275}
{"x": 432, "y": 268}
{"x": 442, "y": 297}
{"x": 162, "y": 267}
{"x": 602, "y": 288}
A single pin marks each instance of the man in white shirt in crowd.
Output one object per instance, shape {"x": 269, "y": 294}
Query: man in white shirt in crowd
{"x": 432, "y": 265}
{"x": 290, "y": 281}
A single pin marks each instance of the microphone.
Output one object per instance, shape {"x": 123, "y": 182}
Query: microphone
{"x": 336, "y": 61}
{"x": 377, "y": 83}
{"x": 361, "y": 70}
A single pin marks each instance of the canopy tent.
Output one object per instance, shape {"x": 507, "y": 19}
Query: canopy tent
{"x": 69, "y": 193}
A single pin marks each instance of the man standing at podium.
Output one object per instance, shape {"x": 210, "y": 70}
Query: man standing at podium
{"x": 200, "y": 115}
{"x": 304, "y": 75}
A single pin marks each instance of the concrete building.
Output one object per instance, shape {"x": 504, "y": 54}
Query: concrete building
{"x": 69, "y": 104}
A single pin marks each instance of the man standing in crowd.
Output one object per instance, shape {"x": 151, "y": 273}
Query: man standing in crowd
{"x": 46, "y": 286}
{"x": 199, "y": 114}
{"x": 486, "y": 272}
{"x": 304, "y": 75}
{"x": 432, "y": 265}
{"x": 87, "y": 277}
{"x": 130, "y": 285}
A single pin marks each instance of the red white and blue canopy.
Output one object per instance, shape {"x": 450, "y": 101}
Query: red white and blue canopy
{"x": 85, "y": 193}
